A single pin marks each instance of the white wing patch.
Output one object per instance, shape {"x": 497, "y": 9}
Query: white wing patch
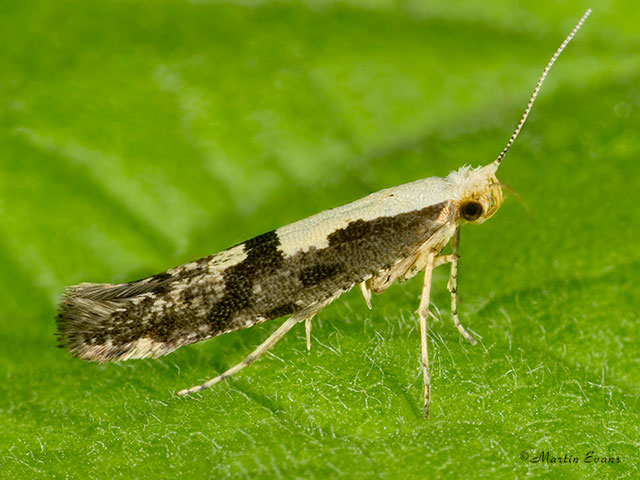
{"x": 313, "y": 232}
{"x": 228, "y": 258}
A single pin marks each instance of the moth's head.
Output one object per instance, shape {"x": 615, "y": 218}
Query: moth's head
{"x": 477, "y": 192}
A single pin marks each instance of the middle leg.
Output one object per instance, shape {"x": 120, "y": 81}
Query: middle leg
{"x": 423, "y": 313}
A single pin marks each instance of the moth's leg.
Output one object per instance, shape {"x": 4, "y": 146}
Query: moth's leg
{"x": 307, "y": 328}
{"x": 442, "y": 259}
{"x": 255, "y": 355}
{"x": 307, "y": 317}
{"x": 453, "y": 288}
{"x": 423, "y": 313}
{"x": 365, "y": 288}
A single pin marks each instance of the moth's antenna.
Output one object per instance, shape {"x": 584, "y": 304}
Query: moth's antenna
{"x": 539, "y": 85}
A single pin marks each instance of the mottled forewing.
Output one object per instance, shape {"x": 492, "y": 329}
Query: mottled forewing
{"x": 255, "y": 281}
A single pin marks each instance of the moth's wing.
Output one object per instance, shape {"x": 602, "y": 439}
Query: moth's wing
{"x": 144, "y": 318}
{"x": 279, "y": 273}
{"x": 410, "y": 265}
{"x": 382, "y": 238}
{"x": 314, "y": 231}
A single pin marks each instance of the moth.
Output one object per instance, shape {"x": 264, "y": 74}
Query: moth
{"x": 294, "y": 271}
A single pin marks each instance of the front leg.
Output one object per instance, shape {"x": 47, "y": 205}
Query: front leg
{"x": 453, "y": 286}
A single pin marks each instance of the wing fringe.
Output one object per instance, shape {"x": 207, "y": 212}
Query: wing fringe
{"x": 87, "y": 314}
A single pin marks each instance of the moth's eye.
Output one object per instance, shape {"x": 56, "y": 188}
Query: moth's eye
{"x": 471, "y": 211}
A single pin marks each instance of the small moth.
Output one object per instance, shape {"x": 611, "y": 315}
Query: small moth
{"x": 296, "y": 270}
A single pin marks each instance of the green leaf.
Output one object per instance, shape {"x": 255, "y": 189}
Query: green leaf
{"x": 135, "y": 136}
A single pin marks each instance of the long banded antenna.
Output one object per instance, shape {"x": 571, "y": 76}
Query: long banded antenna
{"x": 539, "y": 85}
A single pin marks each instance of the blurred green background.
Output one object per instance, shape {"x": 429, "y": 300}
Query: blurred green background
{"x": 138, "y": 135}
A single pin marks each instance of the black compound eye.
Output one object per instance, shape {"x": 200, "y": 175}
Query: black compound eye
{"x": 471, "y": 211}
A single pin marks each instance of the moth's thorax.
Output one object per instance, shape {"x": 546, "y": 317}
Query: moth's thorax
{"x": 476, "y": 191}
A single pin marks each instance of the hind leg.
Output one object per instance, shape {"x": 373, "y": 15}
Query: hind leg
{"x": 252, "y": 357}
